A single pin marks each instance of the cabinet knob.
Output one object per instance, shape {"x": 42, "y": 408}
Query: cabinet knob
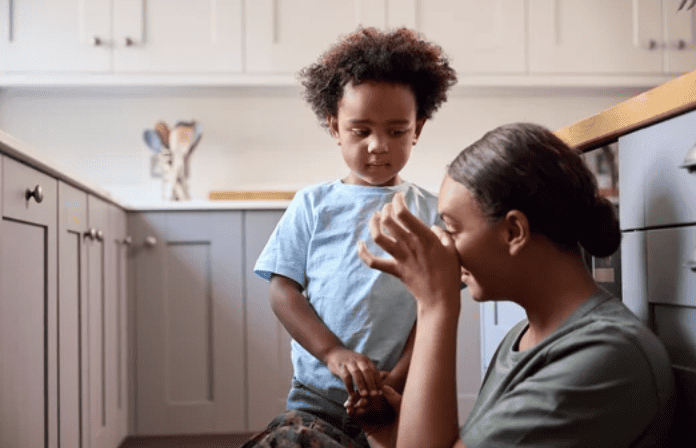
{"x": 689, "y": 162}
{"x": 127, "y": 241}
{"x": 36, "y": 193}
{"x": 150, "y": 241}
{"x": 100, "y": 235}
{"x": 91, "y": 234}
{"x": 652, "y": 44}
{"x": 128, "y": 41}
{"x": 680, "y": 44}
{"x": 96, "y": 41}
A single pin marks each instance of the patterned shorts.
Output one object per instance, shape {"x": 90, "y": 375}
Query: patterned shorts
{"x": 298, "y": 429}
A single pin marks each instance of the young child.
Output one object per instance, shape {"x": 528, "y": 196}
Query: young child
{"x": 352, "y": 326}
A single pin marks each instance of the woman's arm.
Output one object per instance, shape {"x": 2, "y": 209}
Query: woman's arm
{"x": 306, "y": 327}
{"x": 427, "y": 262}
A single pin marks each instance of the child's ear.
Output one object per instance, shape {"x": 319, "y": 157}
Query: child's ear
{"x": 517, "y": 231}
{"x": 332, "y": 122}
{"x": 419, "y": 127}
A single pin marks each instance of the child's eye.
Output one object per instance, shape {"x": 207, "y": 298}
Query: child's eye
{"x": 361, "y": 132}
{"x": 398, "y": 132}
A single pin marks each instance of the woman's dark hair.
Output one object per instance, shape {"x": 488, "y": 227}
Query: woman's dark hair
{"x": 526, "y": 167}
{"x": 400, "y": 56}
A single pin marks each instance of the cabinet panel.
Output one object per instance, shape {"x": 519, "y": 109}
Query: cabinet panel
{"x": 72, "y": 317}
{"x": 594, "y": 37}
{"x": 28, "y": 342}
{"x": 479, "y": 37}
{"x": 279, "y": 40}
{"x": 269, "y": 367}
{"x": 55, "y": 35}
{"x": 19, "y": 180}
{"x": 671, "y": 253}
{"x": 189, "y": 323}
{"x": 634, "y": 292}
{"x": 679, "y": 38}
{"x": 186, "y": 36}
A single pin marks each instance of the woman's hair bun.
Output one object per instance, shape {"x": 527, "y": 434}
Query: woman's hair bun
{"x": 600, "y": 234}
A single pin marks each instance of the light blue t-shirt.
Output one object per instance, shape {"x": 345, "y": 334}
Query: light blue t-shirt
{"x": 315, "y": 244}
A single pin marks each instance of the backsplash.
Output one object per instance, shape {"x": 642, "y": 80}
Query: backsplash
{"x": 256, "y": 138}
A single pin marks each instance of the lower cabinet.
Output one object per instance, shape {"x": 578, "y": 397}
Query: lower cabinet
{"x": 210, "y": 356}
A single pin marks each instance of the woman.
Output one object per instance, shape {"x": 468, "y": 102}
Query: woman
{"x": 581, "y": 370}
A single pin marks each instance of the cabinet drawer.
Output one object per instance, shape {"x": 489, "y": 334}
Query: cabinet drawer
{"x": 19, "y": 181}
{"x": 670, "y": 265}
{"x": 655, "y": 189}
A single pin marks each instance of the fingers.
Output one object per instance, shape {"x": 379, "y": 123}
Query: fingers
{"x": 392, "y": 397}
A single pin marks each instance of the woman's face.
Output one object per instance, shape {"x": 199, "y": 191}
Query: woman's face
{"x": 481, "y": 246}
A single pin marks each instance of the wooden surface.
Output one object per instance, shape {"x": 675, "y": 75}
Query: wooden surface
{"x": 251, "y": 195}
{"x": 667, "y": 100}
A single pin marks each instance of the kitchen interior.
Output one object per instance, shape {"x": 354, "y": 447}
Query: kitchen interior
{"x": 128, "y": 318}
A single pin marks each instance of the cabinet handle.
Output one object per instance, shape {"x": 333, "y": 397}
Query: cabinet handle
{"x": 36, "y": 193}
{"x": 127, "y": 241}
{"x": 680, "y": 44}
{"x": 689, "y": 162}
{"x": 100, "y": 235}
{"x": 129, "y": 42}
{"x": 652, "y": 44}
{"x": 96, "y": 41}
{"x": 150, "y": 241}
{"x": 91, "y": 234}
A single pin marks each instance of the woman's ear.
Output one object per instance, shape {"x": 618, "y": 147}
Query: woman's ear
{"x": 517, "y": 230}
{"x": 332, "y": 122}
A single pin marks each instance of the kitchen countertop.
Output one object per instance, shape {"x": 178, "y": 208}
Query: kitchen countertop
{"x": 672, "y": 98}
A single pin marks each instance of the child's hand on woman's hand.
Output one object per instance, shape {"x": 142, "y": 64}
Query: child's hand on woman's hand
{"x": 357, "y": 372}
{"x": 425, "y": 259}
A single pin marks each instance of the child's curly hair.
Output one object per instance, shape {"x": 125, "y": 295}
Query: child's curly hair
{"x": 400, "y": 56}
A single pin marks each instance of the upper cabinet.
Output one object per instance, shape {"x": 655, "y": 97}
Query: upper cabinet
{"x": 596, "y": 37}
{"x": 479, "y": 37}
{"x": 225, "y": 42}
{"x": 121, "y": 36}
{"x": 282, "y": 36}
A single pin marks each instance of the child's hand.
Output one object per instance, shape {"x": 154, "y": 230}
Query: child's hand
{"x": 357, "y": 372}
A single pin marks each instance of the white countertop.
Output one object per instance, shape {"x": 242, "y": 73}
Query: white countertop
{"x": 23, "y": 152}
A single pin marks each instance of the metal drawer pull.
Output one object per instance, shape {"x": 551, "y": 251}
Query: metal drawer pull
{"x": 127, "y": 241}
{"x": 129, "y": 42}
{"x": 96, "y": 41}
{"x": 37, "y": 194}
{"x": 150, "y": 241}
{"x": 100, "y": 235}
{"x": 689, "y": 162}
{"x": 91, "y": 234}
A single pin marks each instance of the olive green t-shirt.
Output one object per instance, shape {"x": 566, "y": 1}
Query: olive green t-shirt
{"x": 602, "y": 379}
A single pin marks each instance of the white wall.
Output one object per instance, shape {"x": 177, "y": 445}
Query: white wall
{"x": 253, "y": 138}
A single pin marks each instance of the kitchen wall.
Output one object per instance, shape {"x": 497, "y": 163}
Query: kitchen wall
{"x": 254, "y": 137}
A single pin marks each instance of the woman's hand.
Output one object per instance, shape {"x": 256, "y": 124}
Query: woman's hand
{"x": 425, "y": 259}
{"x": 383, "y": 434}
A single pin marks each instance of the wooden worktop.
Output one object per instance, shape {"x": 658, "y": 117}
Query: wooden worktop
{"x": 665, "y": 101}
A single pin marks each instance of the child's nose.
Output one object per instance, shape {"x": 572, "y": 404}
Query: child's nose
{"x": 377, "y": 145}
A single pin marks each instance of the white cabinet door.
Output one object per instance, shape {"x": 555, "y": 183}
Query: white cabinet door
{"x": 282, "y": 36}
{"x": 679, "y": 38}
{"x": 57, "y": 35}
{"x": 183, "y": 36}
{"x": 479, "y": 37}
{"x": 595, "y": 37}
{"x": 190, "y": 368}
{"x": 497, "y": 318}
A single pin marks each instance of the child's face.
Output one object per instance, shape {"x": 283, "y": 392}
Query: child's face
{"x": 481, "y": 246}
{"x": 376, "y": 127}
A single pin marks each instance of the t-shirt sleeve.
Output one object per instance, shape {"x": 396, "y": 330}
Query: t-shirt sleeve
{"x": 285, "y": 252}
{"x": 589, "y": 392}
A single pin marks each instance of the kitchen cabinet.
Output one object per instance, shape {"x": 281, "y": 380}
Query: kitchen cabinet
{"x": 189, "y": 322}
{"x": 121, "y": 36}
{"x": 659, "y": 241}
{"x": 269, "y": 367}
{"x": 279, "y": 40}
{"x": 587, "y": 37}
{"x": 28, "y": 308}
{"x": 479, "y": 37}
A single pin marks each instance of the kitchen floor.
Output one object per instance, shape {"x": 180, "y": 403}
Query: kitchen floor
{"x": 208, "y": 441}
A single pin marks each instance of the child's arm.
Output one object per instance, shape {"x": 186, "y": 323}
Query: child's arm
{"x": 306, "y": 327}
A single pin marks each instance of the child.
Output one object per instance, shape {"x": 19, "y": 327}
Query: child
{"x": 352, "y": 326}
